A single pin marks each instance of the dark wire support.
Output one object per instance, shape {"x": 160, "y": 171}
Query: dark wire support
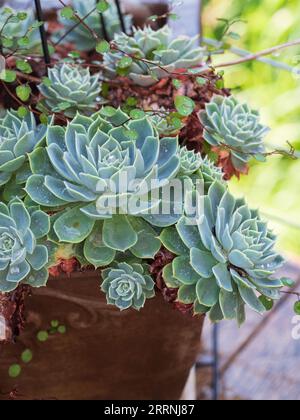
{"x": 121, "y": 16}
{"x": 40, "y": 18}
{"x": 104, "y": 29}
{"x": 214, "y": 363}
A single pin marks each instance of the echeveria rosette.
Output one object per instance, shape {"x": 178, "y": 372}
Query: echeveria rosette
{"x": 18, "y": 137}
{"x": 22, "y": 258}
{"x": 15, "y": 24}
{"x": 190, "y": 161}
{"x": 127, "y": 285}
{"x": 233, "y": 126}
{"x": 158, "y": 47}
{"x": 71, "y": 88}
{"x": 90, "y": 164}
{"x": 80, "y": 36}
{"x": 210, "y": 173}
{"x": 225, "y": 261}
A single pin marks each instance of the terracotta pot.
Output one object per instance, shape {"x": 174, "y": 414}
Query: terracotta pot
{"x": 105, "y": 354}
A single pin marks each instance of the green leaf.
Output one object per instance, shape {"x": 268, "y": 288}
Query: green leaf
{"x": 137, "y": 114}
{"x": 24, "y": 66}
{"x": 268, "y": 303}
{"x": 125, "y": 63}
{"x": 46, "y": 81}
{"x": 102, "y": 6}
{"x": 177, "y": 84}
{"x": 201, "y": 81}
{"x": 23, "y": 92}
{"x": 14, "y": 371}
{"x": 27, "y": 356}
{"x": 297, "y": 308}
{"x": 67, "y": 12}
{"x": 184, "y": 105}
{"x": 103, "y": 47}
{"x": 62, "y": 329}
{"x": 8, "y": 76}
{"x": 118, "y": 233}
{"x": 73, "y": 226}
{"x": 108, "y": 111}
{"x": 24, "y": 41}
{"x": 22, "y": 111}
{"x": 287, "y": 282}
{"x": 42, "y": 336}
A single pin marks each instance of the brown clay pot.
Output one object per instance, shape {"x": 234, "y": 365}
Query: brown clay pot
{"x": 105, "y": 354}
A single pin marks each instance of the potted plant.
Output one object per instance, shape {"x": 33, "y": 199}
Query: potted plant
{"x": 94, "y": 150}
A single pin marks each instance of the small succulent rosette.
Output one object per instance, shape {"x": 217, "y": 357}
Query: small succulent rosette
{"x": 23, "y": 254}
{"x": 232, "y": 126}
{"x": 71, "y": 88}
{"x": 157, "y": 55}
{"x": 18, "y": 137}
{"x": 127, "y": 285}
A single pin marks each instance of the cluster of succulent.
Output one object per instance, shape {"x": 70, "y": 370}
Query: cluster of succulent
{"x": 111, "y": 189}
{"x": 154, "y": 55}
{"x": 233, "y": 126}
{"x": 19, "y": 30}
{"x": 225, "y": 260}
{"x": 22, "y": 258}
{"x": 80, "y": 36}
{"x": 70, "y": 88}
{"x": 19, "y": 136}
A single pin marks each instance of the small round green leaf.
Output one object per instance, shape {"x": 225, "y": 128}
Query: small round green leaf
{"x": 297, "y": 308}
{"x": 184, "y": 105}
{"x": 103, "y": 47}
{"x": 27, "y": 356}
{"x": 14, "y": 371}
{"x": 42, "y": 336}
{"x": 102, "y": 6}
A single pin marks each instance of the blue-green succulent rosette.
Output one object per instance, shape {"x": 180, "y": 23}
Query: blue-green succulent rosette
{"x": 225, "y": 260}
{"x": 23, "y": 255}
{"x": 18, "y": 137}
{"x": 229, "y": 124}
{"x": 82, "y": 170}
{"x": 127, "y": 285}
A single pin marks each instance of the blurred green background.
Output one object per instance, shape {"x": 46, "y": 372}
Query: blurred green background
{"x": 273, "y": 186}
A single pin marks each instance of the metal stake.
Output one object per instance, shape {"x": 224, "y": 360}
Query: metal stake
{"x": 39, "y": 14}
{"x": 121, "y": 17}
